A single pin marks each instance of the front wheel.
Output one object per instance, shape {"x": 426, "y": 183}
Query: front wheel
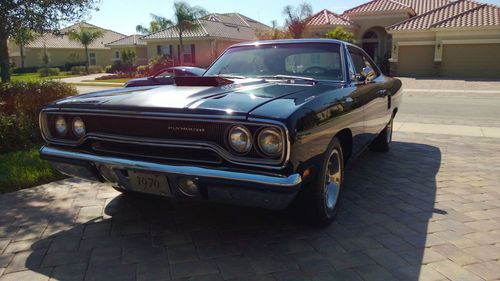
{"x": 382, "y": 142}
{"x": 319, "y": 201}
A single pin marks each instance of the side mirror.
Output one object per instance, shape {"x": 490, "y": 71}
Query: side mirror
{"x": 359, "y": 78}
{"x": 368, "y": 73}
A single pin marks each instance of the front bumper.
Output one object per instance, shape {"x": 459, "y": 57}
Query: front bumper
{"x": 265, "y": 190}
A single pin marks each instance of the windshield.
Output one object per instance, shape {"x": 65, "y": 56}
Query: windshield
{"x": 321, "y": 61}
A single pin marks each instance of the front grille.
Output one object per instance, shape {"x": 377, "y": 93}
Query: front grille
{"x": 163, "y": 130}
{"x": 157, "y": 152}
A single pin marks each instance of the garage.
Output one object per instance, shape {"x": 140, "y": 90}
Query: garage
{"x": 471, "y": 61}
{"x": 416, "y": 61}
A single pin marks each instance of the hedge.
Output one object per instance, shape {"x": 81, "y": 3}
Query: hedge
{"x": 20, "y": 103}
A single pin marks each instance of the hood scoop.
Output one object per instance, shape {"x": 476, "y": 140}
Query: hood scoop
{"x": 201, "y": 81}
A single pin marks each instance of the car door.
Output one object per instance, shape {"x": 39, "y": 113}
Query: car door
{"x": 372, "y": 93}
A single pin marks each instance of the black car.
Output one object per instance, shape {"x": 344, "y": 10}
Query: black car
{"x": 165, "y": 76}
{"x": 269, "y": 123}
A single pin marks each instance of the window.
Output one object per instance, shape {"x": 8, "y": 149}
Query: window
{"x": 360, "y": 61}
{"x": 117, "y": 55}
{"x": 164, "y": 50}
{"x": 92, "y": 59}
{"x": 320, "y": 61}
{"x": 188, "y": 53}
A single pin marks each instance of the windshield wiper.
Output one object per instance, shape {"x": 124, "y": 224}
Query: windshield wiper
{"x": 230, "y": 76}
{"x": 288, "y": 77}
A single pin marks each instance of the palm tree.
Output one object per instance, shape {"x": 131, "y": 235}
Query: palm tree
{"x": 186, "y": 19}
{"x": 86, "y": 36}
{"x": 23, "y": 38}
{"x": 158, "y": 23}
{"x": 296, "y": 18}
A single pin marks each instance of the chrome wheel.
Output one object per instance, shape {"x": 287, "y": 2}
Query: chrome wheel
{"x": 333, "y": 180}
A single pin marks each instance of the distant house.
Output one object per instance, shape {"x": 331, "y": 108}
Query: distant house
{"x": 132, "y": 42}
{"x": 423, "y": 37}
{"x": 62, "y": 51}
{"x": 202, "y": 46}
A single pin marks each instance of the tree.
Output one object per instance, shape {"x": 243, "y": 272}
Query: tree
{"x": 340, "y": 34}
{"x": 86, "y": 36}
{"x": 186, "y": 19}
{"x": 39, "y": 16}
{"x": 22, "y": 38}
{"x": 296, "y": 18}
{"x": 128, "y": 57}
{"x": 272, "y": 34}
{"x": 158, "y": 23}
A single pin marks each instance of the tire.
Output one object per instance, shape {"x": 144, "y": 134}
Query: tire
{"x": 382, "y": 142}
{"x": 318, "y": 202}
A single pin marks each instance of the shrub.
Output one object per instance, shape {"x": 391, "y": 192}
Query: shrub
{"x": 108, "y": 68}
{"x": 20, "y": 103}
{"x": 80, "y": 70}
{"x": 46, "y": 71}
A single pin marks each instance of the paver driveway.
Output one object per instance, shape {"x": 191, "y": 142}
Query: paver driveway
{"x": 427, "y": 210}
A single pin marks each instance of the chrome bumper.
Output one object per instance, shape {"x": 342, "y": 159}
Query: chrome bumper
{"x": 222, "y": 185}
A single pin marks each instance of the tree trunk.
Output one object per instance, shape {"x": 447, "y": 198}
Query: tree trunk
{"x": 181, "y": 50}
{"x": 21, "y": 50}
{"x": 87, "y": 62}
{"x": 4, "y": 55}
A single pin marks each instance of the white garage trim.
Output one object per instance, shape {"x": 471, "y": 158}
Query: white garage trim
{"x": 470, "y": 41}
{"x": 416, "y": 43}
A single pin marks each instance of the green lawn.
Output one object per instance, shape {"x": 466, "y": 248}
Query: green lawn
{"x": 23, "y": 169}
{"x": 36, "y": 76}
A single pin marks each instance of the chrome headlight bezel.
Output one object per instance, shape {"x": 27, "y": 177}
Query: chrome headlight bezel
{"x": 61, "y": 126}
{"x": 241, "y": 148}
{"x": 274, "y": 133}
{"x": 78, "y": 127}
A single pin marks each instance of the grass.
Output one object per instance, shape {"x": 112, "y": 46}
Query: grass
{"x": 23, "y": 169}
{"x": 117, "y": 80}
{"x": 36, "y": 76}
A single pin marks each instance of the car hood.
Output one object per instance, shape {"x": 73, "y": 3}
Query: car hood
{"x": 233, "y": 99}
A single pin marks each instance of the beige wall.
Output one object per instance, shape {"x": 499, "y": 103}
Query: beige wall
{"x": 206, "y": 50}
{"x": 59, "y": 57}
{"x": 141, "y": 54}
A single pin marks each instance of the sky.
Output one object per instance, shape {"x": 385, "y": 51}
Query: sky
{"x": 123, "y": 15}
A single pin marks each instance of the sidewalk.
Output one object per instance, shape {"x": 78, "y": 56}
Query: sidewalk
{"x": 440, "y": 129}
{"x": 91, "y": 77}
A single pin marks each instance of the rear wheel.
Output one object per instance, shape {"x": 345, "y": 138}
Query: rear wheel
{"x": 382, "y": 142}
{"x": 319, "y": 201}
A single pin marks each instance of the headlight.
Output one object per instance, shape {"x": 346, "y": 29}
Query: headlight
{"x": 61, "y": 127}
{"x": 240, "y": 139}
{"x": 78, "y": 127}
{"x": 271, "y": 142}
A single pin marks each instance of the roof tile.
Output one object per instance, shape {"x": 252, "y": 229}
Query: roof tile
{"x": 326, "y": 17}
{"x": 131, "y": 40}
{"x": 484, "y": 15}
{"x": 418, "y": 6}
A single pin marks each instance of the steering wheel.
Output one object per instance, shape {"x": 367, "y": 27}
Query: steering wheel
{"x": 315, "y": 70}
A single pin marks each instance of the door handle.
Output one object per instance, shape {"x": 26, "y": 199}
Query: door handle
{"x": 383, "y": 92}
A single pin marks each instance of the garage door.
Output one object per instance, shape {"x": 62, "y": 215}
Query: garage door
{"x": 471, "y": 61}
{"x": 416, "y": 61}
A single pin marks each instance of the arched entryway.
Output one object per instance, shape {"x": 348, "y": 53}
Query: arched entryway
{"x": 376, "y": 42}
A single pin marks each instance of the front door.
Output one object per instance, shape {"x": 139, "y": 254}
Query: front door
{"x": 374, "y": 95}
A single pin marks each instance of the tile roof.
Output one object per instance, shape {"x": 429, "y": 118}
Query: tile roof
{"x": 461, "y": 13}
{"x": 61, "y": 41}
{"x": 326, "y": 17}
{"x": 416, "y": 6}
{"x": 209, "y": 28}
{"x": 132, "y": 40}
{"x": 484, "y": 15}
{"x": 229, "y": 25}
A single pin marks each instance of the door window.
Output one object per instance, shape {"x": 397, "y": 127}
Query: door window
{"x": 362, "y": 64}
{"x": 188, "y": 56}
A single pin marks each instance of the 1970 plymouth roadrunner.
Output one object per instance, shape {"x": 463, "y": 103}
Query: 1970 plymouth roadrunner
{"x": 269, "y": 123}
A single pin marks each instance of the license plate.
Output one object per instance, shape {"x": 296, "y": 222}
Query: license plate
{"x": 149, "y": 183}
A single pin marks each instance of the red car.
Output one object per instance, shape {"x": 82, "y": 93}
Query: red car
{"x": 165, "y": 76}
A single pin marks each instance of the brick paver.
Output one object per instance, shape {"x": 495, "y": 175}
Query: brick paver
{"x": 427, "y": 210}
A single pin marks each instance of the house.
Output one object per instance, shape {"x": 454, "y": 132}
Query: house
{"x": 423, "y": 37}
{"x": 132, "y": 42}
{"x": 63, "y": 52}
{"x": 205, "y": 44}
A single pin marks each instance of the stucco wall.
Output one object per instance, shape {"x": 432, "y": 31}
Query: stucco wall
{"x": 59, "y": 57}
